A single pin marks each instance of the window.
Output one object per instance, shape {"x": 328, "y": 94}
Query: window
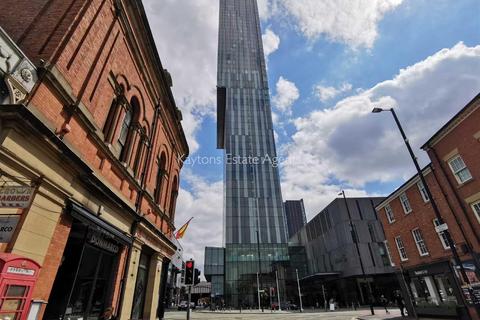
{"x": 389, "y": 214}
{"x": 162, "y": 162}
{"x": 173, "y": 197}
{"x": 401, "y": 249}
{"x": 371, "y": 230}
{"x": 459, "y": 169}
{"x": 441, "y": 235}
{"x": 405, "y": 203}
{"x": 389, "y": 255}
{"x": 423, "y": 191}
{"x": 122, "y": 138}
{"x": 421, "y": 246}
{"x": 476, "y": 209}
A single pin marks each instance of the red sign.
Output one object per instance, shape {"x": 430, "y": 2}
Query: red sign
{"x": 15, "y": 196}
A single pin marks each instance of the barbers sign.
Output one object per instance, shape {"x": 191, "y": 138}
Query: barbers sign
{"x": 15, "y": 196}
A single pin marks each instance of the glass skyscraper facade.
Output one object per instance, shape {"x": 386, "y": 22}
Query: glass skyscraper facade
{"x": 254, "y": 221}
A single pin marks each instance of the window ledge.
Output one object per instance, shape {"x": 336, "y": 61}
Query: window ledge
{"x": 460, "y": 185}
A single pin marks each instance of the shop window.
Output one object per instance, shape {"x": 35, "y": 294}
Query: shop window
{"x": 423, "y": 191}
{"x": 476, "y": 209}
{"x": 401, "y": 249}
{"x": 405, "y": 203}
{"x": 441, "y": 235}
{"x": 389, "y": 214}
{"x": 459, "y": 169}
{"x": 421, "y": 246}
{"x": 162, "y": 163}
{"x": 445, "y": 289}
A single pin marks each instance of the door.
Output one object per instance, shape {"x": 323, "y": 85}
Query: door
{"x": 13, "y": 301}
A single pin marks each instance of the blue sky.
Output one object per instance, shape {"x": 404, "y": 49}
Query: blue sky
{"x": 329, "y": 62}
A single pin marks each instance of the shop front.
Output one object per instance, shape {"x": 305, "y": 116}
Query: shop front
{"x": 85, "y": 280}
{"x": 435, "y": 291}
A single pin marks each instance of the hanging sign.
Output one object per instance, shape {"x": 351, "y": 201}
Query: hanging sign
{"x": 7, "y": 227}
{"x": 15, "y": 196}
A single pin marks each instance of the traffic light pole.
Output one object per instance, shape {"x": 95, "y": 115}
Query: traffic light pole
{"x": 189, "y": 299}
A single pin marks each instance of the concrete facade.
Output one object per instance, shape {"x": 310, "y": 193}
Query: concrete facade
{"x": 90, "y": 63}
{"x": 348, "y": 264}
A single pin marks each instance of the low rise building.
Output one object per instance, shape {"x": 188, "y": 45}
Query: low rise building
{"x": 91, "y": 149}
{"x": 420, "y": 249}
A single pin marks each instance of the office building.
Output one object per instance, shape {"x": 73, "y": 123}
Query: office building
{"x": 346, "y": 255}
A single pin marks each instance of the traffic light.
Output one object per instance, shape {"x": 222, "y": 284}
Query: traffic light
{"x": 196, "y": 279}
{"x": 189, "y": 271}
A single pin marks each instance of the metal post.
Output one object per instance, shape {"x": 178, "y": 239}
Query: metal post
{"x": 412, "y": 299}
{"x": 278, "y": 291}
{"x": 258, "y": 291}
{"x": 189, "y": 299}
{"x": 324, "y": 297}
{"x": 299, "y": 292}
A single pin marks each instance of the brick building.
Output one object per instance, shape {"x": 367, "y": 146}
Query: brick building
{"x": 419, "y": 248}
{"x": 91, "y": 147}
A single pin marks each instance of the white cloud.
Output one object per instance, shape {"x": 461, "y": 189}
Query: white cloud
{"x": 287, "y": 94}
{"x": 189, "y": 51}
{"x": 348, "y": 143}
{"x": 326, "y": 93}
{"x": 351, "y": 22}
{"x": 270, "y": 41}
{"x": 205, "y": 203}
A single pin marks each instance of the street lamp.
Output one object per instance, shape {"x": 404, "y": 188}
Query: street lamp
{"x": 448, "y": 237}
{"x": 355, "y": 240}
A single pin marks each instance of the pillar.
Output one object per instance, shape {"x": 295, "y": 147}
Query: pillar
{"x": 126, "y": 308}
{"x": 153, "y": 287}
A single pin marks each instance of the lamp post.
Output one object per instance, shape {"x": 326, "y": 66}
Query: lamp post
{"x": 446, "y": 232}
{"x": 355, "y": 240}
{"x": 299, "y": 291}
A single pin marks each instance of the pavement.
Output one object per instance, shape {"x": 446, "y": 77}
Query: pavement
{"x": 285, "y": 315}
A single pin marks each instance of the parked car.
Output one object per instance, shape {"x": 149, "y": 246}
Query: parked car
{"x": 184, "y": 304}
{"x": 289, "y": 306}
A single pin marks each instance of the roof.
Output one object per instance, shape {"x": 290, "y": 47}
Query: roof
{"x": 426, "y": 170}
{"x": 453, "y": 122}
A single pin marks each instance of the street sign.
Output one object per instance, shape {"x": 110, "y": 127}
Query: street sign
{"x": 441, "y": 228}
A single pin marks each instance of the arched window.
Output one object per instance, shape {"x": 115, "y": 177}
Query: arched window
{"x": 162, "y": 163}
{"x": 109, "y": 125}
{"x": 173, "y": 197}
{"x": 124, "y": 132}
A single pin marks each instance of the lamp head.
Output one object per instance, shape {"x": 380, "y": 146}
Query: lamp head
{"x": 377, "y": 110}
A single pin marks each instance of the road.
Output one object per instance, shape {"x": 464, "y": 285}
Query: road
{"x": 251, "y": 315}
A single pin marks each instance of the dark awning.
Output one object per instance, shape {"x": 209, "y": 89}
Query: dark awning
{"x": 87, "y": 217}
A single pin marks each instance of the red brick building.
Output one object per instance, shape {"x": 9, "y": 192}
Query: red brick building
{"x": 90, "y": 133}
{"x": 418, "y": 246}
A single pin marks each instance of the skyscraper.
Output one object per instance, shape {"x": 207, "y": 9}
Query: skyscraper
{"x": 254, "y": 219}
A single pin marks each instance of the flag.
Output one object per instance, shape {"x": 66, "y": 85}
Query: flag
{"x": 182, "y": 230}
